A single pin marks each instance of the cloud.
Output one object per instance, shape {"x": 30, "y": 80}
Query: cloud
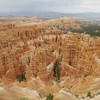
{"x": 66, "y": 6}
{"x": 91, "y": 5}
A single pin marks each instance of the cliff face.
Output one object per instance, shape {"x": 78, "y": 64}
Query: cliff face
{"x": 48, "y": 55}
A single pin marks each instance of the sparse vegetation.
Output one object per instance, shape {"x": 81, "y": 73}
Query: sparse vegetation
{"x": 92, "y": 29}
{"x": 21, "y": 77}
{"x": 85, "y": 75}
{"x": 23, "y": 98}
{"x": 76, "y": 95}
{"x": 90, "y": 95}
{"x": 98, "y": 93}
{"x": 50, "y": 97}
{"x": 56, "y": 71}
{"x": 83, "y": 97}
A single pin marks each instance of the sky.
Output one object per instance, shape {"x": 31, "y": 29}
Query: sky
{"x": 63, "y": 6}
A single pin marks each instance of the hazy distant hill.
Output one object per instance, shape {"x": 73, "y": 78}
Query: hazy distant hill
{"x": 90, "y": 16}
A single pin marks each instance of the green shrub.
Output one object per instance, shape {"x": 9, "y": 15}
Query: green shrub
{"x": 90, "y": 95}
{"x": 23, "y": 98}
{"x": 76, "y": 95}
{"x": 98, "y": 93}
{"x": 56, "y": 71}
{"x": 50, "y": 97}
{"x": 21, "y": 77}
{"x": 83, "y": 97}
{"x": 85, "y": 75}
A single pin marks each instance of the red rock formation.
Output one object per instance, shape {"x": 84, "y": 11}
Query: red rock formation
{"x": 34, "y": 50}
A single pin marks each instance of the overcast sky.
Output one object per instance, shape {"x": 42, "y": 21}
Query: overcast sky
{"x": 64, "y": 6}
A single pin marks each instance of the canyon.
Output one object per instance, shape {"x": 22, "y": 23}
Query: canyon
{"x": 42, "y": 57}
